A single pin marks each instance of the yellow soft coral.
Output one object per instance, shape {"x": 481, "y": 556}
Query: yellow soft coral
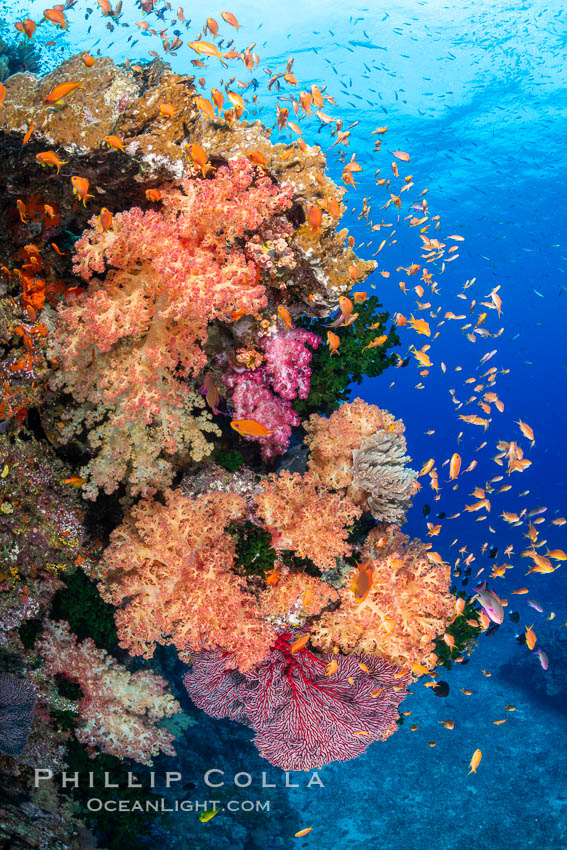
{"x": 305, "y": 518}
{"x": 408, "y": 604}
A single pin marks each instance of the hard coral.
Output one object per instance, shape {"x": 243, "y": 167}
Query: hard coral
{"x": 361, "y": 449}
{"x": 304, "y": 715}
{"x": 129, "y": 346}
{"x": 407, "y": 606}
{"x": 170, "y": 568}
{"x": 306, "y": 518}
{"x": 119, "y": 709}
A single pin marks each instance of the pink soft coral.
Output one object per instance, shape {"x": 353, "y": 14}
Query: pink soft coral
{"x": 264, "y": 393}
{"x": 409, "y": 602}
{"x": 119, "y": 709}
{"x": 306, "y": 518}
{"x": 169, "y": 567}
{"x": 130, "y": 344}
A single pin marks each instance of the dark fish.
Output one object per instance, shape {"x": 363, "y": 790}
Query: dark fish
{"x": 465, "y": 582}
{"x": 426, "y": 510}
{"x": 442, "y": 515}
{"x": 493, "y": 629}
{"x": 521, "y": 638}
{"x": 493, "y": 553}
{"x": 441, "y": 689}
{"x": 514, "y": 616}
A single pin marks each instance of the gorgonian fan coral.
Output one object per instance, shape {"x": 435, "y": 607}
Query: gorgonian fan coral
{"x": 305, "y": 710}
{"x": 306, "y": 518}
{"x": 119, "y": 709}
{"x": 169, "y": 570}
{"x": 408, "y": 604}
{"x": 130, "y": 344}
{"x": 362, "y": 450}
{"x": 17, "y": 702}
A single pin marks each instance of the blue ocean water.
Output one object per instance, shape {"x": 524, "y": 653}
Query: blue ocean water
{"x": 477, "y": 94}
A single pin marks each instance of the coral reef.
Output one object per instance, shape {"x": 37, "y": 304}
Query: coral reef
{"x": 305, "y": 518}
{"x": 305, "y": 710}
{"x": 42, "y": 531}
{"x": 119, "y": 709}
{"x": 154, "y": 292}
{"x": 361, "y": 449}
{"x": 169, "y": 567}
{"x": 17, "y": 702}
{"x": 408, "y": 603}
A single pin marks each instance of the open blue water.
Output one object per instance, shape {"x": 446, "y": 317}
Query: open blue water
{"x": 477, "y": 93}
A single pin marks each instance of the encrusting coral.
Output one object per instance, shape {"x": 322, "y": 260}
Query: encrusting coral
{"x": 361, "y": 449}
{"x": 119, "y": 709}
{"x": 408, "y": 603}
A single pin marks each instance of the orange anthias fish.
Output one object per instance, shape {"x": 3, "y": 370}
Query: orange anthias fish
{"x": 50, "y": 158}
{"x": 105, "y": 219}
{"x": 199, "y": 158}
{"x": 250, "y": 428}
{"x": 153, "y": 194}
{"x": 114, "y": 142}
{"x": 299, "y": 643}
{"x": 80, "y": 188}
{"x": 88, "y": 60}
{"x": 285, "y": 316}
{"x": 454, "y": 466}
{"x": 205, "y": 106}
{"x": 205, "y": 48}
{"x": 419, "y": 325}
{"x": 530, "y": 637}
{"x": 362, "y": 582}
{"x": 3, "y": 91}
{"x": 475, "y": 761}
{"x": 56, "y": 16}
{"x": 230, "y": 19}
{"x": 61, "y": 91}
{"x": 333, "y": 341}
{"x": 314, "y": 218}
{"x": 211, "y": 393}
{"x": 168, "y": 110}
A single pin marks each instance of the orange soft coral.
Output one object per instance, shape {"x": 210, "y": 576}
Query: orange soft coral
{"x": 295, "y": 597}
{"x": 119, "y": 709}
{"x": 305, "y": 518}
{"x": 332, "y": 441}
{"x": 408, "y": 604}
{"x": 170, "y": 568}
{"x": 361, "y": 449}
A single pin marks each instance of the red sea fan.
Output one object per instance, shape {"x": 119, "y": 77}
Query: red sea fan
{"x": 302, "y": 716}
